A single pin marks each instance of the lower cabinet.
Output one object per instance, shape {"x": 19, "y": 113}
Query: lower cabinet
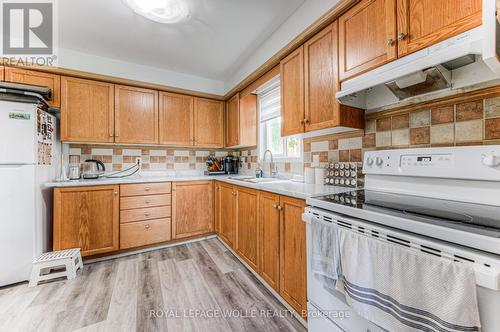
{"x": 266, "y": 230}
{"x": 269, "y": 235}
{"x": 247, "y": 202}
{"x": 192, "y": 208}
{"x": 226, "y": 211}
{"x": 293, "y": 264}
{"x": 87, "y": 218}
{"x": 145, "y": 211}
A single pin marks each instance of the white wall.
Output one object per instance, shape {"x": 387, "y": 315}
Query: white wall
{"x": 303, "y": 17}
{"x": 96, "y": 64}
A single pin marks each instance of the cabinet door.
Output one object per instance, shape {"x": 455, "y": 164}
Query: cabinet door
{"x": 176, "y": 119}
{"x": 17, "y": 75}
{"x": 269, "y": 238}
{"x": 292, "y": 93}
{"x": 227, "y": 214}
{"x": 86, "y": 218}
{"x": 233, "y": 121}
{"x": 208, "y": 123}
{"x": 2, "y": 70}
{"x": 367, "y": 37}
{"x": 321, "y": 79}
{"x": 192, "y": 208}
{"x": 87, "y": 110}
{"x": 422, "y": 23}
{"x": 246, "y": 225}
{"x": 293, "y": 286}
{"x": 136, "y": 115}
{"x": 248, "y": 120}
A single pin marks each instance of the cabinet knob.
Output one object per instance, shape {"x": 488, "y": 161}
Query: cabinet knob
{"x": 389, "y": 42}
{"x": 301, "y": 121}
{"x": 147, "y": 227}
{"x": 146, "y": 214}
{"x": 147, "y": 202}
{"x": 275, "y": 206}
{"x": 306, "y": 121}
{"x": 116, "y": 193}
{"x": 280, "y": 208}
{"x": 402, "y": 36}
{"x": 147, "y": 189}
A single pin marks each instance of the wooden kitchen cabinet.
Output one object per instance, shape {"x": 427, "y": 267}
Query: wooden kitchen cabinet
{"x": 226, "y": 208}
{"x": 176, "y": 119}
{"x": 241, "y": 121}
{"x": 208, "y": 123}
{"x": 293, "y": 268}
{"x": 87, "y": 111}
{"x": 32, "y": 77}
{"x": 192, "y": 204}
{"x": 422, "y": 23}
{"x": 367, "y": 37}
{"x": 2, "y": 71}
{"x": 86, "y": 218}
{"x": 292, "y": 93}
{"x": 269, "y": 238}
{"x": 136, "y": 115}
{"x": 247, "y": 202}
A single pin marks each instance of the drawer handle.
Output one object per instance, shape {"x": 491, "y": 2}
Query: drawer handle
{"x": 146, "y": 214}
{"x": 147, "y": 189}
{"x": 147, "y": 227}
{"x": 147, "y": 202}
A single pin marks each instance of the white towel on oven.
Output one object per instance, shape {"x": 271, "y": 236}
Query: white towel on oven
{"x": 403, "y": 290}
{"x": 325, "y": 262}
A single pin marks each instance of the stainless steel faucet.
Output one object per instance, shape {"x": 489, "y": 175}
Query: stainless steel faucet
{"x": 272, "y": 165}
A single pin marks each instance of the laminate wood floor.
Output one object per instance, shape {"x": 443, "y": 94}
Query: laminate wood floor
{"x": 198, "y": 286}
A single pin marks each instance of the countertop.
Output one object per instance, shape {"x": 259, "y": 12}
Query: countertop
{"x": 281, "y": 186}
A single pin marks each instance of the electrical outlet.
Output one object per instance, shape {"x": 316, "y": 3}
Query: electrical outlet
{"x": 138, "y": 160}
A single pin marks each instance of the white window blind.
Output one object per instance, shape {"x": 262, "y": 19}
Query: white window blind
{"x": 269, "y": 100}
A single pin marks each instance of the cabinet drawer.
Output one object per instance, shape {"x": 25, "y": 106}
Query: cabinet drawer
{"x": 145, "y": 214}
{"x": 145, "y": 189}
{"x": 137, "y": 202}
{"x": 145, "y": 232}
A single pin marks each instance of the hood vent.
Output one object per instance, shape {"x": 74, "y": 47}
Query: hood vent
{"x": 429, "y": 80}
{"x": 24, "y": 93}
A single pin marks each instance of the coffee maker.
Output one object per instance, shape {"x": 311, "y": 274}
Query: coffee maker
{"x": 231, "y": 164}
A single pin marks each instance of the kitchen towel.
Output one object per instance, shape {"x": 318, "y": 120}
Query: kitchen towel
{"x": 402, "y": 290}
{"x": 325, "y": 261}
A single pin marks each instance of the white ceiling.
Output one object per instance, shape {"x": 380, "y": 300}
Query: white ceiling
{"x": 219, "y": 36}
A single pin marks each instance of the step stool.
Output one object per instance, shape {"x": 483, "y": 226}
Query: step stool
{"x": 44, "y": 264}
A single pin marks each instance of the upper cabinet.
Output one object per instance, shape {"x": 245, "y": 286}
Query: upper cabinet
{"x": 367, "y": 37}
{"x": 241, "y": 121}
{"x": 87, "y": 110}
{"x": 292, "y": 93}
{"x": 176, "y": 119}
{"x": 18, "y": 75}
{"x": 309, "y": 82}
{"x": 422, "y": 23}
{"x": 375, "y": 32}
{"x": 136, "y": 115}
{"x": 208, "y": 123}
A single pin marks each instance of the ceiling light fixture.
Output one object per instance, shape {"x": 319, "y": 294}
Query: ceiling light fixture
{"x": 162, "y": 11}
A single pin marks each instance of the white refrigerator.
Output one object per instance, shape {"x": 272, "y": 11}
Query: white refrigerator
{"x": 29, "y": 151}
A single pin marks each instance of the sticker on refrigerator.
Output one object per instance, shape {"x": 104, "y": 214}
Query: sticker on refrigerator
{"x": 19, "y": 116}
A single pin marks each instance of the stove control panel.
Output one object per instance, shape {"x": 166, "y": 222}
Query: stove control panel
{"x": 472, "y": 163}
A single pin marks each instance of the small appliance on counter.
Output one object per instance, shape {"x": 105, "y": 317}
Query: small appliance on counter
{"x": 215, "y": 166}
{"x": 231, "y": 164}
{"x": 93, "y": 169}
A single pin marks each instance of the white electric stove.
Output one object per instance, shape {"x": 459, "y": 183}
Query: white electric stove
{"x": 441, "y": 201}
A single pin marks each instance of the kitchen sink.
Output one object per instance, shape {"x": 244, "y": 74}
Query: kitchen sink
{"x": 254, "y": 180}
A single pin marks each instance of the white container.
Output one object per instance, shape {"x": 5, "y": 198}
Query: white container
{"x": 319, "y": 175}
{"x": 309, "y": 175}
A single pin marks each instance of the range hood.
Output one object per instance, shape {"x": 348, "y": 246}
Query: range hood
{"x": 462, "y": 62}
{"x": 24, "y": 93}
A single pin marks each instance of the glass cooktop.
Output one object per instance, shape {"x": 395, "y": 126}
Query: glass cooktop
{"x": 478, "y": 218}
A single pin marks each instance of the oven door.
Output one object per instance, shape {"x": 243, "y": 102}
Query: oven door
{"x": 328, "y": 307}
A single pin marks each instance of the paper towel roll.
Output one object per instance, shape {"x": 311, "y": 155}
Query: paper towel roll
{"x": 319, "y": 175}
{"x": 309, "y": 175}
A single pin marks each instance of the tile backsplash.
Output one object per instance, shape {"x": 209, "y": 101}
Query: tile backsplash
{"x": 469, "y": 122}
{"x": 117, "y": 158}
